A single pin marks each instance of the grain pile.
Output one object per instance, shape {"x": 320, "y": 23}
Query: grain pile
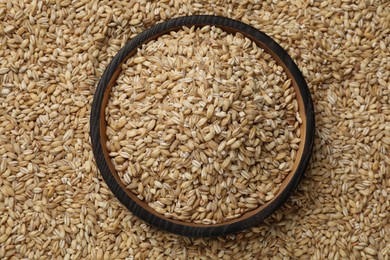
{"x": 53, "y": 202}
{"x": 203, "y": 125}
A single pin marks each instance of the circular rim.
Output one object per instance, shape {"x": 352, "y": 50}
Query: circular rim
{"x": 141, "y": 209}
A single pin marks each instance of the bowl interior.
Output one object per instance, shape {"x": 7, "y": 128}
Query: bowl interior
{"x": 284, "y": 184}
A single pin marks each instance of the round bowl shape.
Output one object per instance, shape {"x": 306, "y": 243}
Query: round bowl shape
{"x": 140, "y": 208}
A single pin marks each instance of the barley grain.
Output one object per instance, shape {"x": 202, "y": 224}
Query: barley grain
{"x": 215, "y": 128}
{"x": 56, "y": 53}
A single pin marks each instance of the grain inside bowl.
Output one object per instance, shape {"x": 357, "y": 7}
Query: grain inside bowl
{"x": 203, "y": 125}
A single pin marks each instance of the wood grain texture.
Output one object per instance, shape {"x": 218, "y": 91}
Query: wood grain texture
{"x": 140, "y": 208}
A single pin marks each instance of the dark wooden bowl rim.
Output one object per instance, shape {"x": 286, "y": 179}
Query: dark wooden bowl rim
{"x": 98, "y": 126}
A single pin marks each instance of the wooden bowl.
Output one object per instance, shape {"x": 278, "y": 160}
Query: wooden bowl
{"x": 141, "y": 209}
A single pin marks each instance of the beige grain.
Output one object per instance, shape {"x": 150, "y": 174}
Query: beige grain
{"x": 55, "y": 205}
{"x": 198, "y": 96}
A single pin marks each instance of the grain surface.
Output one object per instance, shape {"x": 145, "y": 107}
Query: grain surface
{"x": 55, "y": 205}
{"x": 203, "y": 125}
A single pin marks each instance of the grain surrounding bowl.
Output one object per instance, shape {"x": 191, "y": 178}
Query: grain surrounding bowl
{"x": 53, "y": 201}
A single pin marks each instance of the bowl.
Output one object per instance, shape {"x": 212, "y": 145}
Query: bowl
{"x": 98, "y": 127}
